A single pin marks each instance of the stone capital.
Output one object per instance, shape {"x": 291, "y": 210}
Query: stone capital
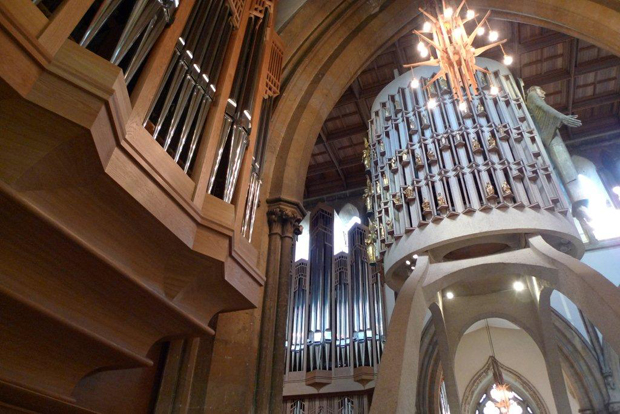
{"x": 284, "y": 216}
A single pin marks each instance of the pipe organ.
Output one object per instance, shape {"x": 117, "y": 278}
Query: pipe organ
{"x": 427, "y": 160}
{"x": 336, "y": 327}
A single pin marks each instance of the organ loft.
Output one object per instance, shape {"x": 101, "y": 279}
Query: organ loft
{"x": 309, "y": 206}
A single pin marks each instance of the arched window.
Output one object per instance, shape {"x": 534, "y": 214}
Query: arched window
{"x": 486, "y": 403}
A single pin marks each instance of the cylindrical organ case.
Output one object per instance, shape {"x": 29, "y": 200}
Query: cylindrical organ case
{"x": 458, "y": 182}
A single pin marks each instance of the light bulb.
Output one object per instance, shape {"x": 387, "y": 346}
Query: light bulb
{"x": 463, "y": 106}
{"x": 508, "y": 60}
{"x": 448, "y": 12}
{"x": 494, "y": 90}
{"x": 424, "y": 52}
{"x": 408, "y": 262}
{"x": 415, "y": 83}
{"x": 515, "y": 408}
{"x": 518, "y": 286}
{"x": 412, "y": 267}
{"x": 493, "y": 35}
{"x": 470, "y": 14}
{"x": 421, "y": 46}
{"x": 449, "y": 295}
{"x": 432, "y": 103}
{"x": 456, "y": 33}
{"x": 481, "y": 31}
{"x": 426, "y": 27}
{"x": 415, "y": 257}
{"x": 490, "y": 408}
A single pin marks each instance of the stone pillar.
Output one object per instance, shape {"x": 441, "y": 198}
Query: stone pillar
{"x": 284, "y": 217}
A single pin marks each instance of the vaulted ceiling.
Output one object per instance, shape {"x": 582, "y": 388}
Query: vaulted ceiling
{"x": 578, "y": 77}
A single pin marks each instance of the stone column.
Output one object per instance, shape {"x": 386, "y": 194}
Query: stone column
{"x": 284, "y": 217}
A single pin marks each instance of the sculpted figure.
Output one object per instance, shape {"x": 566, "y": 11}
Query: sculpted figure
{"x": 547, "y": 121}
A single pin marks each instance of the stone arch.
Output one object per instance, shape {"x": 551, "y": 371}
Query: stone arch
{"x": 331, "y": 42}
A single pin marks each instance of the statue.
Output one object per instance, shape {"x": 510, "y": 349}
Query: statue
{"x": 424, "y": 119}
{"x": 480, "y": 108}
{"x": 378, "y": 187}
{"x": 418, "y": 159}
{"x": 385, "y": 179}
{"x": 381, "y": 146}
{"x": 398, "y": 201}
{"x": 366, "y": 158}
{"x": 475, "y": 144}
{"x": 506, "y": 190}
{"x": 404, "y": 156}
{"x": 371, "y": 239}
{"x": 426, "y": 205}
{"x": 389, "y": 224}
{"x": 431, "y": 154}
{"x": 547, "y": 121}
{"x": 393, "y": 163}
{"x": 368, "y": 199}
{"x": 491, "y": 141}
{"x": 409, "y": 192}
{"x": 501, "y": 130}
{"x": 490, "y": 190}
{"x": 381, "y": 232}
{"x": 441, "y": 200}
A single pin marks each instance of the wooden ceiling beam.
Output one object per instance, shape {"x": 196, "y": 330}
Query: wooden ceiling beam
{"x": 347, "y": 133}
{"x": 544, "y": 41}
{"x": 332, "y": 156}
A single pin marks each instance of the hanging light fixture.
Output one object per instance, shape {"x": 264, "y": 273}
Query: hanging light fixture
{"x": 451, "y": 48}
{"x": 503, "y": 397}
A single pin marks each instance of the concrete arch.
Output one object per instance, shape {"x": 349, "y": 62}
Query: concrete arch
{"x": 330, "y": 42}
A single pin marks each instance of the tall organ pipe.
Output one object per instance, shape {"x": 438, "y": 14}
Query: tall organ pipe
{"x": 181, "y": 106}
{"x": 234, "y": 138}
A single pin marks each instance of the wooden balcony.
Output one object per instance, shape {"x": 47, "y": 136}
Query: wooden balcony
{"x": 107, "y": 246}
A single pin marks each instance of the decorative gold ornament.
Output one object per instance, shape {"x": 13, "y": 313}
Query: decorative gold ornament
{"x": 404, "y": 156}
{"x": 480, "y": 108}
{"x": 431, "y": 155}
{"x": 452, "y": 48}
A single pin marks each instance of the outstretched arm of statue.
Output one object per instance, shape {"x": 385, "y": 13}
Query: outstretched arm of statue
{"x": 570, "y": 120}
{"x": 534, "y": 99}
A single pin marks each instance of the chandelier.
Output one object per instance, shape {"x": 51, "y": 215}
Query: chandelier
{"x": 445, "y": 39}
{"x": 503, "y": 397}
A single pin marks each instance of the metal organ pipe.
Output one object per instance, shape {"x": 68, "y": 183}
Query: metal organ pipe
{"x": 336, "y": 314}
{"x": 257, "y": 170}
{"x": 146, "y": 22}
{"x": 182, "y": 103}
{"x": 234, "y": 138}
